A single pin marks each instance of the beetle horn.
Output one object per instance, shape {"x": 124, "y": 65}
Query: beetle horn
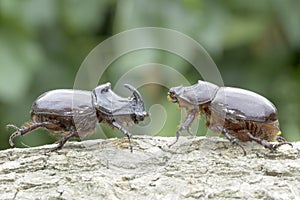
{"x": 136, "y": 94}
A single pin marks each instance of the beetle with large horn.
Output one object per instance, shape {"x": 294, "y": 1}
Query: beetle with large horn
{"x": 76, "y": 112}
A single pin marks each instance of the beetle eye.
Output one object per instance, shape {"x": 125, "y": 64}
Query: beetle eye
{"x": 172, "y": 94}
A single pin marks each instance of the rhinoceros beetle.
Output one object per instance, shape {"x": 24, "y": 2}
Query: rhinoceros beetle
{"x": 77, "y": 112}
{"x": 234, "y": 112}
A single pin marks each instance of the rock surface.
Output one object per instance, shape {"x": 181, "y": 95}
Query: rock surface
{"x": 194, "y": 168}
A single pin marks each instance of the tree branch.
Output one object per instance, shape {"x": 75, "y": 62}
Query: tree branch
{"x": 199, "y": 167}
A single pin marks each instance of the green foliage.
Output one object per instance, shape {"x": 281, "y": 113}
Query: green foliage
{"x": 255, "y": 45}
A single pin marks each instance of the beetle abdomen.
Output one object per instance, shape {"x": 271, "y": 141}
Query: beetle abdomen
{"x": 58, "y": 123}
{"x": 243, "y": 104}
{"x": 239, "y": 128}
{"x": 264, "y": 130}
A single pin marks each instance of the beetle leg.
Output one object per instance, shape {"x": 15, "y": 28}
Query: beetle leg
{"x": 118, "y": 126}
{"x": 186, "y": 124}
{"x": 23, "y": 131}
{"x": 260, "y": 141}
{"x": 233, "y": 140}
{"x": 275, "y": 146}
{"x": 266, "y": 144}
{"x": 63, "y": 140}
{"x": 280, "y": 139}
{"x": 189, "y": 131}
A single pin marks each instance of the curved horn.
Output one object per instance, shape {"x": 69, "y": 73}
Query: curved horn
{"x": 136, "y": 94}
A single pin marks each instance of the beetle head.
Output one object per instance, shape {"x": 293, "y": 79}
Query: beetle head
{"x": 174, "y": 93}
{"x": 137, "y": 104}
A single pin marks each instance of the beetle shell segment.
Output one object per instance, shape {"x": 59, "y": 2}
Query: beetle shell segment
{"x": 63, "y": 102}
{"x": 242, "y": 104}
{"x": 109, "y": 103}
{"x": 197, "y": 94}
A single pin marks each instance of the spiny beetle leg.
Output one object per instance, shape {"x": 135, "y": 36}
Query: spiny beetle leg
{"x": 186, "y": 124}
{"x": 281, "y": 139}
{"x": 118, "y": 126}
{"x": 233, "y": 140}
{"x": 23, "y": 131}
{"x": 275, "y": 146}
{"x": 63, "y": 140}
{"x": 189, "y": 131}
{"x": 266, "y": 144}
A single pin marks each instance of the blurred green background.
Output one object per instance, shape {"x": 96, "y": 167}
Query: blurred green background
{"x": 255, "y": 44}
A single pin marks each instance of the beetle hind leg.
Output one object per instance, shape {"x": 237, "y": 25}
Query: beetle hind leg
{"x": 268, "y": 145}
{"x": 24, "y": 130}
{"x": 275, "y": 146}
{"x": 280, "y": 139}
{"x": 18, "y": 132}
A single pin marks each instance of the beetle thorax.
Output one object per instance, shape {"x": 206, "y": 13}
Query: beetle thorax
{"x": 184, "y": 104}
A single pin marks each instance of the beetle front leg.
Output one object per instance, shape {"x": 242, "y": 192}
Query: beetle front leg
{"x": 23, "y": 131}
{"x": 118, "y": 126}
{"x": 186, "y": 124}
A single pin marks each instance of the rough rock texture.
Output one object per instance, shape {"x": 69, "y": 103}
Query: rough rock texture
{"x": 194, "y": 168}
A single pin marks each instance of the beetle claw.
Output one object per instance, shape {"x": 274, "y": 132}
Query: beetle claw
{"x": 275, "y": 146}
{"x": 233, "y": 141}
{"x": 25, "y": 129}
{"x": 12, "y": 136}
{"x": 236, "y": 142}
{"x": 189, "y": 131}
{"x": 118, "y": 126}
{"x": 170, "y": 145}
{"x": 18, "y": 132}
{"x": 280, "y": 139}
{"x": 11, "y": 143}
{"x": 130, "y": 145}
